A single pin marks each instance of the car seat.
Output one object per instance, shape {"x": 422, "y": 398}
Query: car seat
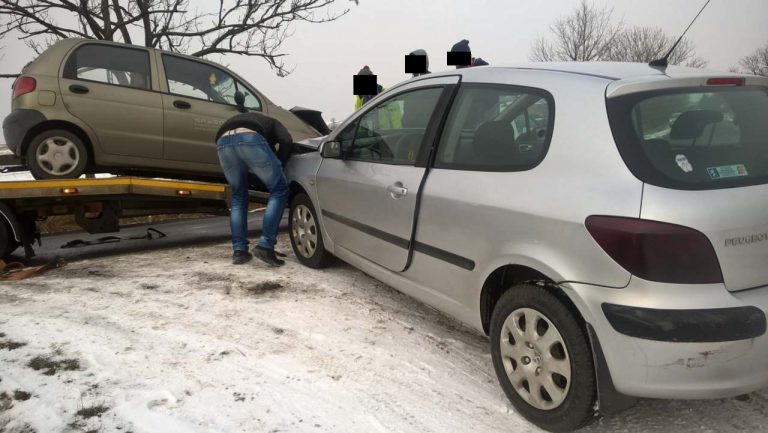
{"x": 690, "y": 125}
{"x": 494, "y": 145}
{"x": 138, "y": 81}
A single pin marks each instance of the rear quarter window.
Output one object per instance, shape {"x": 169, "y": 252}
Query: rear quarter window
{"x": 499, "y": 128}
{"x": 119, "y": 66}
{"x": 694, "y": 138}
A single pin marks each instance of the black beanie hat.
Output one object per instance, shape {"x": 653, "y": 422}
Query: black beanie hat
{"x": 462, "y": 46}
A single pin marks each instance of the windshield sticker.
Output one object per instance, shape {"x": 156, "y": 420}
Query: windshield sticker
{"x": 683, "y": 163}
{"x": 725, "y": 171}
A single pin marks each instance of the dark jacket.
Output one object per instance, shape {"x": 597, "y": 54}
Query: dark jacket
{"x": 271, "y": 129}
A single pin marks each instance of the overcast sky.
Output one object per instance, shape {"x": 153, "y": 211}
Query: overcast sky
{"x": 379, "y": 33}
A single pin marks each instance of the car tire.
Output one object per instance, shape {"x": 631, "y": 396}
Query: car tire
{"x": 306, "y": 237}
{"x": 525, "y": 367}
{"x": 57, "y": 154}
{"x": 7, "y": 243}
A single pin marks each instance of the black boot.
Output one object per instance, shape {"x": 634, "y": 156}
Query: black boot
{"x": 267, "y": 256}
{"x": 240, "y": 257}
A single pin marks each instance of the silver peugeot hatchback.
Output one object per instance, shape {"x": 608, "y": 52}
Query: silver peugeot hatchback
{"x": 605, "y": 224}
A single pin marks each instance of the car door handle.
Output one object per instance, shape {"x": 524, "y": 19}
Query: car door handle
{"x": 184, "y": 105}
{"x": 396, "y": 190}
{"x": 76, "y": 88}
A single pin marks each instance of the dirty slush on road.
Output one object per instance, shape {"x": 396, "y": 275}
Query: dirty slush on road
{"x": 179, "y": 340}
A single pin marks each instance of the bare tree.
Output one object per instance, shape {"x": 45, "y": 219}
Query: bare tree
{"x": 757, "y": 62}
{"x": 586, "y": 34}
{"x": 643, "y": 44}
{"x": 245, "y": 27}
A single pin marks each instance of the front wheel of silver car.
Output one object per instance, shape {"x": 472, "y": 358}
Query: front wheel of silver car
{"x": 306, "y": 238}
{"x": 542, "y": 358}
{"x": 56, "y": 154}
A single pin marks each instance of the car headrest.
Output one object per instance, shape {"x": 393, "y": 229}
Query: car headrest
{"x": 495, "y": 142}
{"x": 417, "y": 108}
{"x": 690, "y": 124}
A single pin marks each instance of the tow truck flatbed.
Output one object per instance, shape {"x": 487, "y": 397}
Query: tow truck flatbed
{"x": 98, "y": 204}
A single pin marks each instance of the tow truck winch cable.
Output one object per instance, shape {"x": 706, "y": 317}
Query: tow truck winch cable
{"x": 112, "y": 239}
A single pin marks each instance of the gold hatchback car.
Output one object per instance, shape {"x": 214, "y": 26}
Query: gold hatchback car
{"x": 93, "y": 106}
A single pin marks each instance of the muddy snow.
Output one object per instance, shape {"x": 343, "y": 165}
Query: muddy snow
{"x": 179, "y": 340}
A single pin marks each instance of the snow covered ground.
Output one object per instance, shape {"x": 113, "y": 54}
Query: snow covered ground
{"x": 179, "y": 340}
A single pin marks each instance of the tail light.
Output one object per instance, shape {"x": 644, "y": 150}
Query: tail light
{"x": 24, "y": 85}
{"x": 728, "y": 81}
{"x": 657, "y": 251}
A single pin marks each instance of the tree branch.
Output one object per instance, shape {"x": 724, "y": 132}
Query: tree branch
{"x": 255, "y": 28}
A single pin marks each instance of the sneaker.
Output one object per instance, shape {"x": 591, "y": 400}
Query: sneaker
{"x": 240, "y": 257}
{"x": 267, "y": 256}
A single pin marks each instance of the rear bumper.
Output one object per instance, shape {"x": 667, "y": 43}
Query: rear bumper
{"x": 17, "y": 124}
{"x": 711, "y": 325}
{"x": 680, "y": 341}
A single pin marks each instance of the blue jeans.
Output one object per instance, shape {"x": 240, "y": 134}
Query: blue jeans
{"x": 240, "y": 154}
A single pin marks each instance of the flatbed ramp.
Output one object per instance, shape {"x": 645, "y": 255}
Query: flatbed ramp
{"x": 111, "y": 187}
{"x": 98, "y": 204}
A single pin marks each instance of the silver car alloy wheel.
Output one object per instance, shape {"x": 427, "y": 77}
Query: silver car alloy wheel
{"x": 535, "y": 358}
{"x": 304, "y": 231}
{"x": 58, "y": 156}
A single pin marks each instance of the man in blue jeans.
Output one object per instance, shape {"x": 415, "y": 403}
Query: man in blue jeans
{"x": 246, "y": 143}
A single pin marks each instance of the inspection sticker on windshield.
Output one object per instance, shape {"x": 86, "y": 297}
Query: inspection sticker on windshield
{"x": 683, "y": 163}
{"x": 727, "y": 171}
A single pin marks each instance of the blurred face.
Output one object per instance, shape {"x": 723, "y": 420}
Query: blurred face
{"x": 472, "y": 63}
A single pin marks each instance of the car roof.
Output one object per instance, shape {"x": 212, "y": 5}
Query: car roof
{"x": 622, "y": 70}
{"x": 75, "y": 41}
{"x": 62, "y": 46}
{"x": 620, "y": 77}
{"x": 612, "y": 71}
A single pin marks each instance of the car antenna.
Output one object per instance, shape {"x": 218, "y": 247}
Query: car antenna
{"x": 664, "y": 61}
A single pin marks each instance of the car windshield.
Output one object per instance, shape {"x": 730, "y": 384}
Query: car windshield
{"x": 694, "y": 138}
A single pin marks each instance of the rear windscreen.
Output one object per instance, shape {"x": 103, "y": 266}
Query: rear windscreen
{"x": 694, "y": 138}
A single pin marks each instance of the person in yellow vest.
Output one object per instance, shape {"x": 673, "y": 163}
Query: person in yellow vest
{"x": 360, "y": 100}
{"x": 390, "y": 117}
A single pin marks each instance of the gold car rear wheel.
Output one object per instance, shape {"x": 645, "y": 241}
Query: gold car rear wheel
{"x": 57, "y": 154}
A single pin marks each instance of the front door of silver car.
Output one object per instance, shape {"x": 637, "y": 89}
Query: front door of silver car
{"x": 369, "y": 195}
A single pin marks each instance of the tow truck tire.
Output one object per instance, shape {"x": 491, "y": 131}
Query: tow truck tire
{"x": 306, "y": 237}
{"x": 7, "y": 243}
{"x": 538, "y": 347}
{"x": 57, "y": 154}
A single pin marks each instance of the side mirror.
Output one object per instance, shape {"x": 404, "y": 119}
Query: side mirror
{"x": 240, "y": 101}
{"x": 331, "y": 149}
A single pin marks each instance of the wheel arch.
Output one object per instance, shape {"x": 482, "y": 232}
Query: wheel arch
{"x": 504, "y": 278}
{"x": 296, "y": 187}
{"x": 22, "y": 231}
{"x": 7, "y": 216}
{"x": 59, "y": 124}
